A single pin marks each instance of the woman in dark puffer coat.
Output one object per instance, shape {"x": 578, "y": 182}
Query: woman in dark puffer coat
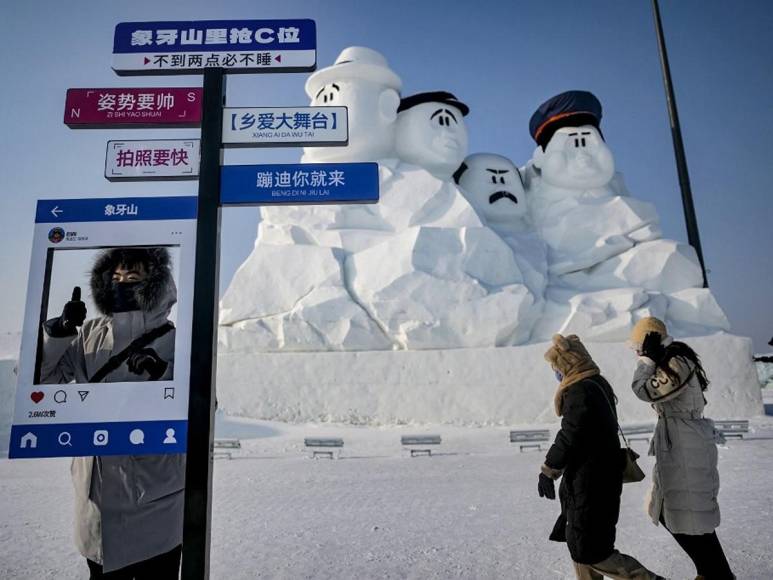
{"x": 586, "y": 452}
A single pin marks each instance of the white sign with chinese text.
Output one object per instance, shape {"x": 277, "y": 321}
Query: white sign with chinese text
{"x": 285, "y": 126}
{"x": 153, "y": 159}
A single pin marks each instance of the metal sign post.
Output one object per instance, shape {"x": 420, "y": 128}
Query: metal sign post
{"x": 201, "y": 410}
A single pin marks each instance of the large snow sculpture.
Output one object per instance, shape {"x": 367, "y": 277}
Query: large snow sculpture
{"x": 437, "y": 281}
{"x": 418, "y": 270}
{"x": 607, "y": 263}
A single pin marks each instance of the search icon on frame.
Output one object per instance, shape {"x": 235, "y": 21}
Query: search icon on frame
{"x": 65, "y": 438}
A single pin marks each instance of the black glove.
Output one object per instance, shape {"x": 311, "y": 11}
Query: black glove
{"x": 546, "y": 487}
{"x": 652, "y": 348}
{"x": 73, "y": 315}
{"x": 147, "y": 360}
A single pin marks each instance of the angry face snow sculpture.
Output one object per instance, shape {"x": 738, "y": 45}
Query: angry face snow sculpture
{"x": 361, "y": 80}
{"x": 431, "y": 132}
{"x": 571, "y": 152}
{"x": 493, "y": 186}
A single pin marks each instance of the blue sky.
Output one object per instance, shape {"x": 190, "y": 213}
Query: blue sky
{"x": 501, "y": 58}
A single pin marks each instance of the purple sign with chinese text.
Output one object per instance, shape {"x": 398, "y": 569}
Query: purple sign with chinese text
{"x": 103, "y": 108}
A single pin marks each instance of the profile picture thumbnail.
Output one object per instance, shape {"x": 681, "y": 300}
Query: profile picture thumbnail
{"x": 56, "y": 235}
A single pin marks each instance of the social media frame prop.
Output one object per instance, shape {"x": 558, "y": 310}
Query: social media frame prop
{"x": 105, "y": 418}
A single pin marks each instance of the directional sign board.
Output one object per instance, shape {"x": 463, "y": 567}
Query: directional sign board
{"x": 154, "y": 159}
{"x": 63, "y": 406}
{"x": 283, "y": 126}
{"x": 238, "y": 46}
{"x": 312, "y": 183}
{"x": 105, "y": 108}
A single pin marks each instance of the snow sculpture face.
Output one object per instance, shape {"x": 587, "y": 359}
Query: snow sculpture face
{"x": 575, "y": 158}
{"x": 433, "y": 136}
{"x": 492, "y": 185}
{"x": 360, "y": 80}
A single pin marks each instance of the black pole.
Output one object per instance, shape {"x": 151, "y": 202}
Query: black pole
{"x": 681, "y": 160}
{"x": 201, "y": 406}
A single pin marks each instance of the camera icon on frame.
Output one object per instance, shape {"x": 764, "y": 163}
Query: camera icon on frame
{"x": 100, "y": 437}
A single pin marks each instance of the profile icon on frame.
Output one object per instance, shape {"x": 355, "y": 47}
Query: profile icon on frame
{"x": 56, "y": 235}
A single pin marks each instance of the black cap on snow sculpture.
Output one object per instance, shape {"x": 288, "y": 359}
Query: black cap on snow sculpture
{"x": 433, "y": 97}
{"x": 569, "y": 109}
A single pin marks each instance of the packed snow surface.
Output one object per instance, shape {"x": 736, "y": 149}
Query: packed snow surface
{"x": 469, "y": 511}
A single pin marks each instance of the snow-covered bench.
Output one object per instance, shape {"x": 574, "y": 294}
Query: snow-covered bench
{"x": 324, "y": 446}
{"x": 418, "y": 444}
{"x": 529, "y": 438}
{"x": 732, "y": 428}
{"x": 225, "y": 444}
{"x": 638, "y": 432}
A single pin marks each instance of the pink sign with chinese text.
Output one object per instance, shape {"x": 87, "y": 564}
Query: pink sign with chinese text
{"x": 103, "y": 108}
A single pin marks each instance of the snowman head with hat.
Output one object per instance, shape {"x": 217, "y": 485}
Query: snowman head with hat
{"x": 431, "y": 132}
{"x": 361, "y": 80}
{"x": 571, "y": 152}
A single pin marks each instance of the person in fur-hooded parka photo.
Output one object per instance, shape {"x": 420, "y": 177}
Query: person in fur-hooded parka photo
{"x": 586, "y": 455}
{"x": 128, "y": 509}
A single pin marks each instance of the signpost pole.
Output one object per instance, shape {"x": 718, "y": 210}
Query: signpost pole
{"x": 201, "y": 406}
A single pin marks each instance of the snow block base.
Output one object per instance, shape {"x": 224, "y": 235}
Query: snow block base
{"x": 485, "y": 386}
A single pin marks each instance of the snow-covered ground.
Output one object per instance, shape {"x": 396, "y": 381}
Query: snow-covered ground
{"x": 469, "y": 511}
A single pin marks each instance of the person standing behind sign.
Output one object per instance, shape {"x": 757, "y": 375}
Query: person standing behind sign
{"x": 685, "y": 480}
{"x": 586, "y": 455}
{"x": 129, "y": 509}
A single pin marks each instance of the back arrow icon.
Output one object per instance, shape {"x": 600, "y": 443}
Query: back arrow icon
{"x": 56, "y": 211}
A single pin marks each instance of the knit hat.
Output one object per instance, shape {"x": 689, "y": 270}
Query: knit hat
{"x": 570, "y": 357}
{"x": 644, "y": 327}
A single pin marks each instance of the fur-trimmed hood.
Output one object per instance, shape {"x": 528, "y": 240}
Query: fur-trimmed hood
{"x": 157, "y": 290}
{"x": 569, "y": 356}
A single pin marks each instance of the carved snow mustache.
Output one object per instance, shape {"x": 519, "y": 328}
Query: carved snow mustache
{"x": 500, "y": 194}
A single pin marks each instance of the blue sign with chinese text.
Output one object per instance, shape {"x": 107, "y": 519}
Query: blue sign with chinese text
{"x": 303, "y": 183}
{"x": 235, "y": 45}
{"x": 118, "y": 209}
{"x": 285, "y": 126}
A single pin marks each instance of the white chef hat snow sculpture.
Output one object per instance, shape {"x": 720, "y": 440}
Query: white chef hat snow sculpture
{"x": 361, "y": 80}
{"x": 431, "y": 133}
{"x": 493, "y": 186}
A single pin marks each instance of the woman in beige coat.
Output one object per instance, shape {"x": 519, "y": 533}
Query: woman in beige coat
{"x": 685, "y": 480}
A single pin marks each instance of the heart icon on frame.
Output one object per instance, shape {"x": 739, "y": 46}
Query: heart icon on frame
{"x": 37, "y": 396}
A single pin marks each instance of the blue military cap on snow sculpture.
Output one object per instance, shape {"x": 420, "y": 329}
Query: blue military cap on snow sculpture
{"x": 569, "y": 109}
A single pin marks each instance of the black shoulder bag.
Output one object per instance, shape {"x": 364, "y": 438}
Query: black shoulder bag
{"x": 118, "y": 359}
{"x": 631, "y": 470}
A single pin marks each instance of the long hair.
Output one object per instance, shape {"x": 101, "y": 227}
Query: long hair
{"x": 682, "y": 350}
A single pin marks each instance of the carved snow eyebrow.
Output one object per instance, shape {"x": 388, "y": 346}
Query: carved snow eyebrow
{"x": 585, "y": 133}
{"x": 571, "y": 134}
{"x": 322, "y": 90}
{"x": 498, "y": 171}
{"x": 436, "y": 113}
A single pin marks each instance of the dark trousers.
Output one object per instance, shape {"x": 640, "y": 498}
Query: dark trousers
{"x": 706, "y": 553}
{"x": 161, "y": 567}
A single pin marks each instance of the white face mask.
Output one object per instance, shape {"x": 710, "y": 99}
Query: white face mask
{"x": 559, "y": 375}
